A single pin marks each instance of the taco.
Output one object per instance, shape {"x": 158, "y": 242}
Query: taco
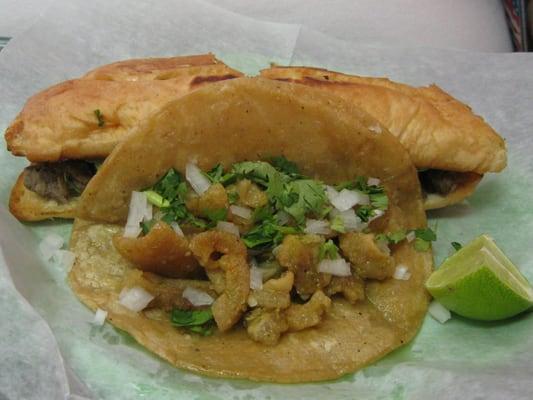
{"x": 66, "y": 130}
{"x": 450, "y": 145}
{"x": 257, "y": 229}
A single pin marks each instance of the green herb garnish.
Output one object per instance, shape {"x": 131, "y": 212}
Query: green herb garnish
{"x": 267, "y": 234}
{"x": 457, "y": 246}
{"x": 99, "y": 117}
{"x": 197, "y": 321}
{"x": 337, "y": 224}
{"x": 233, "y": 197}
{"x": 305, "y": 196}
{"x": 285, "y": 166}
{"x": 216, "y": 215}
{"x": 328, "y": 250}
{"x": 424, "y": 237}
{"x": 146, "y": 226}
{"x": 217, "y": 175}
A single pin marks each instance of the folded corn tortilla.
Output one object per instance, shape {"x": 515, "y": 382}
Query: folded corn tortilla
{"x": 252, "y": 119}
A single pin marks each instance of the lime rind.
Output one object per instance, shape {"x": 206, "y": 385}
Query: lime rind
{"x": 480, "y": 282}
{"x": 498, "y": 301}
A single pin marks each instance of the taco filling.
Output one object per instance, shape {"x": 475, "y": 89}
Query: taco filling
{"x": 59, "y": 181}
{"x": 262, "y": 246}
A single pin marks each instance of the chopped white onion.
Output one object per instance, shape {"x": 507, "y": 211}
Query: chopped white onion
{"x": 439, "y": 312}
{"x": 410, "y": 236}
{"x": 402, "y": 273}
{"x": 243, "y": 212}
{"x": 196, "y": 178}
{"x": 331, "y": 193}
{"x": 140, "y": 210}
{"x": 349, "y": 219}
{"x": 256, "y": 276}
{"x": 197, "y": 297}
{"x": 99, "y": 317}
{"x": 373, "y": 182}
{"x": 65, "y": 258}
{"x": 176, "y": 228}
{"x": 228, "y": 227}
{"x": 135, "y": 299}
{"x": 346, "y": 199}
{"x": 376, "y": 128}
{"x": 317, "y": 226}
{"x": 50, "y": 244}
{"x": 337, "y": 267}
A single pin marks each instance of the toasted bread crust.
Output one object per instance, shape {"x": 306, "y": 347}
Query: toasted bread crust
{"x": 26, "y": 205}
{"x": 60, "y": 122}
{"x": 437, "y": 130}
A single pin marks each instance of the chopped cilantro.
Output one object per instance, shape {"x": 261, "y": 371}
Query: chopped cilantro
{"x": 307, "y": 196}
{"x": 197, "y": 321}
{"x": 379, "y": 200}
{"x": 396, "y": 237}
{"x": 285, "y": 166}
{"x": 216, "y": 215}
{"x": 267, "y": 234}
{"x": 426, "y": 234}
{"x": 99, "y": 118}
{"x": 391, "y": 238}
{"x": 337, "y": 224}
{"x": 259, "y": 172}
{"x": 171, "y": 186}
{"x": 146, "y": 226}
{"x": 421, "y": 245}
{"x": 261, "y": 213}
{"x": 328, "y": 250}
{"x": 365, "y": 212}
{"x": 457, "y": 246}
{"x": 233, "y": 197}
{"x": 217, "y": 175}
{"x": 424, "y": 237}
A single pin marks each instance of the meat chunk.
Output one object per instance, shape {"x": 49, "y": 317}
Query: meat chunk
{"x": 351, "y": 287}
{"x": 302, "y": 316}
{"x": 299, "y": 254}
{"x": 266, "y": 326}
{"x": 216, "y": 250}
{"x": 369, "y": 260}
{"x": 214, "y": 198}
{"x": 209, "y": 247}
{"x": 250, "y": 195}
{"x": 161, "y": 251}
{"x": 275, "y": 293}
{"x": 59, "y": 181}
{"x": 168, "y": 293}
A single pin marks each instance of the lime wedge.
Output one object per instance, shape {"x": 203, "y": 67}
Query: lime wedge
{"x": 480, "y": 282}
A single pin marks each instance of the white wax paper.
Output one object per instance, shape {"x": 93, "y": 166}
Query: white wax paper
{"x": 461, "y": 359}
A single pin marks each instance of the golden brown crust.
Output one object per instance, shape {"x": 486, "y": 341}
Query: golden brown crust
{"x": 462, "y": 191}
{"x": 437, "y": 130}
{"x": 26, "y": 205}
{"x": 60, "y": 122}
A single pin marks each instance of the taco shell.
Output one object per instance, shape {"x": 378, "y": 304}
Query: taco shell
{"x": 252, "y": 119}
